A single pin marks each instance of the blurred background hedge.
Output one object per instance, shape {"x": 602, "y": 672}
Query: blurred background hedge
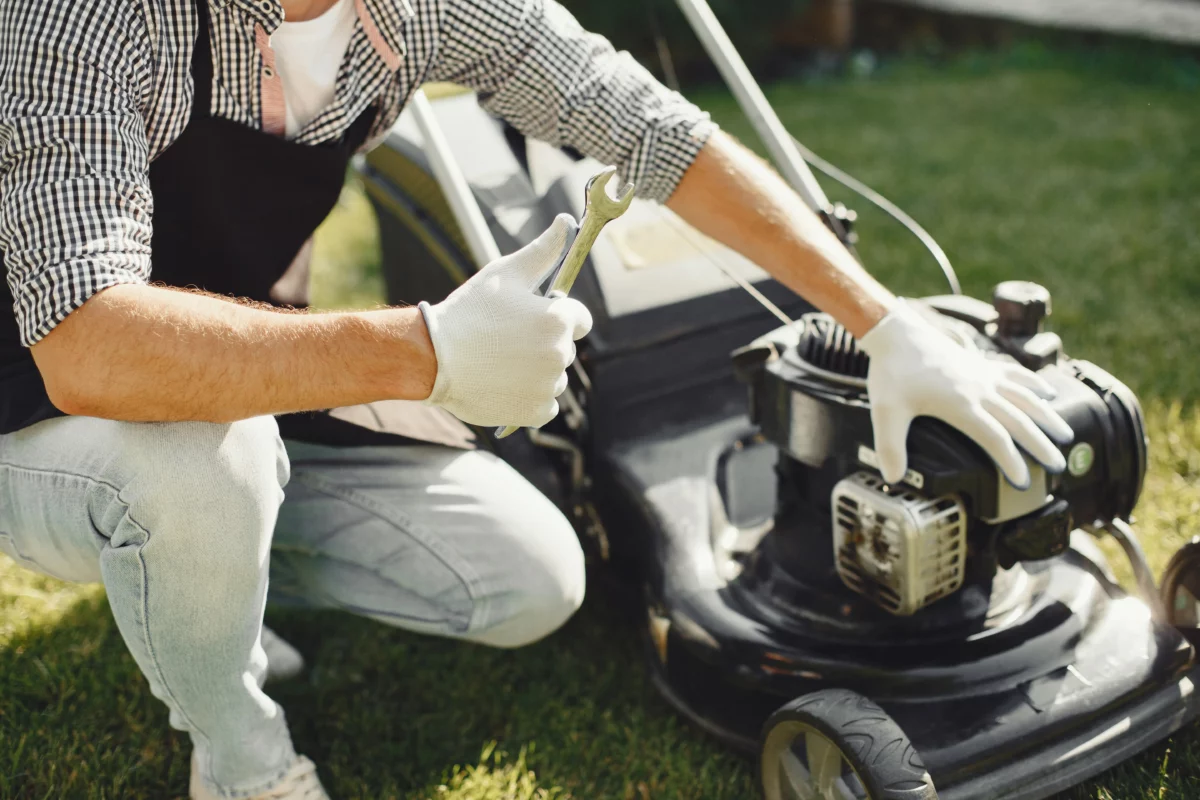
{"x": 764, "y": 30}
{"x": 803, "y": 38}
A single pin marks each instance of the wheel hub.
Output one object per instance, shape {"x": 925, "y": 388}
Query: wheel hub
{"x": 809, "y": 766}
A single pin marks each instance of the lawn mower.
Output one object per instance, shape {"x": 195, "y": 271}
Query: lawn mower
{"x": 949, "y": 636}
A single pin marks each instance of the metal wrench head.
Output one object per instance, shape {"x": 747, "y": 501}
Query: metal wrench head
{"x": 599, "y": 201}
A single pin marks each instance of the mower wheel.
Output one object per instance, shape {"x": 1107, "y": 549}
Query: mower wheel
{"x": 838, "y": 745}
{"x": 1180, "y": 588}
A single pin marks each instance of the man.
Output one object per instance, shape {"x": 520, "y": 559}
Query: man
{"x": 147, "y": 145}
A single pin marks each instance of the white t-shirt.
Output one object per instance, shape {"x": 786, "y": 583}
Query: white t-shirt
{"x": 308, "y": 55}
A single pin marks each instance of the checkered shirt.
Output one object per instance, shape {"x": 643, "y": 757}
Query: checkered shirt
{"x": 92, "y": 92}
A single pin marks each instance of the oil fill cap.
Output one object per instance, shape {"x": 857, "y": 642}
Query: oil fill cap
{"x": 1022, "y": 307}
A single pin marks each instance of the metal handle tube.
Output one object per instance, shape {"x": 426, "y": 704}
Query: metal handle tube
{"x": 754, "y": 103}
{"x": 463, "y": 203}
{"x": 1123, "y": 533}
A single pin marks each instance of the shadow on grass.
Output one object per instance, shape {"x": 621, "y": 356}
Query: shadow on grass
{"x": 76, "y": 717}
{"x": 390, "y": 715}
{"x": 382, "y": 712}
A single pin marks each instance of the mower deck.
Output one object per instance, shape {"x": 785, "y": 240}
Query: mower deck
{"x": 1067, "y": 677}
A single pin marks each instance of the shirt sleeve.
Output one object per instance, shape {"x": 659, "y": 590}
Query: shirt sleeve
{"x": 535, "y": 66}
{"x": 75, "y": 201}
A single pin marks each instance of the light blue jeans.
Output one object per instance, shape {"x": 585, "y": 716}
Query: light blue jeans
{"x": 183, "y": 523}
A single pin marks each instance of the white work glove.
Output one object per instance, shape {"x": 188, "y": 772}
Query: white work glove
{"x": 502, "y": 350}
{"x": 917, "y": 370}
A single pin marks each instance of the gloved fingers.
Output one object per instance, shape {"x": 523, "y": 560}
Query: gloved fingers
{"x": 1038, "y": 410}
{"x": 1030, "y": 380}
{"x": 574, "y": 315}
{"x": 891, "y": 422}
{"x": 1025, "y": 433}
{"x": 567, "y": 352}
{"x": 544, "y": 413}
{"x": 534, "y": 261}
{"x": 560, "y": 385}
{"x": 976, "y": 421}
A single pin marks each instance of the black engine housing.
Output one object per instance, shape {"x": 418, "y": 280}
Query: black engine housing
{"x": 808, "y": 396}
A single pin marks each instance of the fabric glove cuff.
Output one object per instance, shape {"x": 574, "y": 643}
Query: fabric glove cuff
{"x": 903, "y": 319}
{"x": 442, "y": 381}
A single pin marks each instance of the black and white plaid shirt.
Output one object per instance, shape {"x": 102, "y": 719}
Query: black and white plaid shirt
{"x": 91, "y": 91}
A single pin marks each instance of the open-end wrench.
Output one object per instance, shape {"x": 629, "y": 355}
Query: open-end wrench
{"x": 599, "y": 210}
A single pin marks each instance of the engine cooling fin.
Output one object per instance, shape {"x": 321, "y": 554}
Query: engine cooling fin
{"x": 827, "y": 345}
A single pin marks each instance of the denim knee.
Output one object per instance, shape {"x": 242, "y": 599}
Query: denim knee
{"x": 204, "y": 495}
{"x": 551, "y": 589}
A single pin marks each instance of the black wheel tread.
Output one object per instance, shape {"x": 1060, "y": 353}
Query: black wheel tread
{"x": 885, "y": 760}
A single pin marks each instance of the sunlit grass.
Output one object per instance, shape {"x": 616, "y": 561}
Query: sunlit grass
{"x": 494, "y": 779}
{"x": 1168, "y": 515}
{"x": 28, "y": 599}
{"x": 346, "y": 267}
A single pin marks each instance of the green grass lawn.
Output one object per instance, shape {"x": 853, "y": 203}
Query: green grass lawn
{"x": 1080, "y": 172}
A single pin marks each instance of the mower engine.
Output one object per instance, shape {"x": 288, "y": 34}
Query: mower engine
{"x": 954, "y": 515}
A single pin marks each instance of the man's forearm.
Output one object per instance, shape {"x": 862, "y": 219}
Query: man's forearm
{"x": 145, "y": 353}
{"x": 733, "y": 196}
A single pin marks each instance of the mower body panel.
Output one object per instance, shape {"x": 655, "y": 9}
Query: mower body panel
{"x": 1064, "y": 679}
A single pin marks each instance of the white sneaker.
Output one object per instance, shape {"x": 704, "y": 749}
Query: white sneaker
{"x": 283, "y": 660}
{"x": 300, "y": 783}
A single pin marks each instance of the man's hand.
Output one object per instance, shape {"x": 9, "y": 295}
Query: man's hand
{"x": 502, "y": 350}
{"x": 916, "y": 370}
{"x": 737, "y": 199}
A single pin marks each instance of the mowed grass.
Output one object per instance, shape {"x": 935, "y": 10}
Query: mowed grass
{"x": 1077, "y": 170}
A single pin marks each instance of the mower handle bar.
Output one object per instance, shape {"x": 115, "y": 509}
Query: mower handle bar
{"x": 736, "y": 74}
{"x": 755, "y": 106}
{"x": 463, "y": 203}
